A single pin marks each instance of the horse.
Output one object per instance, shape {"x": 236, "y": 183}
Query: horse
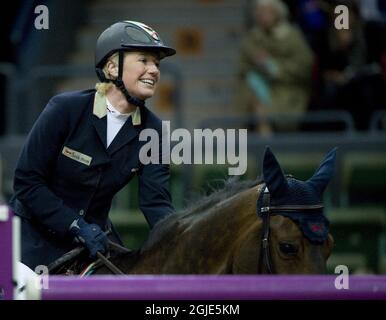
{"x": 274, "y": 225}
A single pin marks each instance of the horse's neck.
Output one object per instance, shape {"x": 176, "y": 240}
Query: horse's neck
{"x": 200, "y": 242}
{"x": 229, "y": 215}
{"x": 211, "y": 237}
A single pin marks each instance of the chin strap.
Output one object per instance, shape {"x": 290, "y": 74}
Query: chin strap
{"x": 131, "y": 100}
{"x": 118, "y": 82}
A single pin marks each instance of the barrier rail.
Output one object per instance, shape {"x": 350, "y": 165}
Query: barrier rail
{"x": 9, "y": 252}
{"x": 6, "y": 254}
{"x": 210, "y": 287}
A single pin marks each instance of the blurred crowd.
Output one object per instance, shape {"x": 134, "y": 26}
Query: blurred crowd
{"x": 293, "y": 59}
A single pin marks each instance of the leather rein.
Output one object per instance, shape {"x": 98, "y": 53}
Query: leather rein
{"x": 101, "y": 258}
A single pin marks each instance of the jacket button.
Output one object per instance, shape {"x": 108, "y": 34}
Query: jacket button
{"x": 81, "y": 212}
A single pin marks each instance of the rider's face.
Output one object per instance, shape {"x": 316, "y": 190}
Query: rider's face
{"x": 141, "y": 73}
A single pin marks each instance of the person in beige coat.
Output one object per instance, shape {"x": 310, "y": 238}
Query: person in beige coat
{"x": 275, "y": 68}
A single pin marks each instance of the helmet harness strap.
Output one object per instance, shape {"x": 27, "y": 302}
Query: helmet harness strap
{"x": 121, "y": 86}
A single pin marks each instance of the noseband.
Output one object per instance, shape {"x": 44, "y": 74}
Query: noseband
{"x": 264, "y": 210}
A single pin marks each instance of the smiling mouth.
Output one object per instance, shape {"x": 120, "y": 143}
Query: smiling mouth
{"x": 149, "y": 82}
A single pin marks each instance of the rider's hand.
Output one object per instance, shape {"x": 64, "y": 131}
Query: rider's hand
{"x": 90, "y": 235}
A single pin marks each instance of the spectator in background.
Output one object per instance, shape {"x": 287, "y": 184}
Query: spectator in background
{"x": 7, "y": 57}
{"x": 373, "y": 10}
{"x": 347, "y": 77}
{"x": 373, "y": 13}
{"x": 312, "y": 17}
{"x": 346, "y": 53}
{"x": 275, "y": 66}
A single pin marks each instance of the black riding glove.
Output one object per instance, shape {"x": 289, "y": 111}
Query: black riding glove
{"x": 90, "y": 235}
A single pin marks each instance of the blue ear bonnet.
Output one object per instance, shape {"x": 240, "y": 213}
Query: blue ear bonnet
{"x": 297, "y": 193}
{"x": 315, "y": 225}
{"x": 287, "y": 191}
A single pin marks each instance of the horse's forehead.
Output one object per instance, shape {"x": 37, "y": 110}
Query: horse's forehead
{"x": 286, "y": 226}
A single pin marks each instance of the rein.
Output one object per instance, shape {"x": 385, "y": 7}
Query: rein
{"x": 101, "y": 258}
{"x": 264, "y": 210}
{"x": 112, "y": 267}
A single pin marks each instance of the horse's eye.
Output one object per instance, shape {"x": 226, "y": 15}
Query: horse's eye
{"x": 288, "y": 249}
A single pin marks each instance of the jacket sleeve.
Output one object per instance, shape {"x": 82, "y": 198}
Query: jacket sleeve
{"x": 35, "y": 167}
{"x": 154, "y": 197}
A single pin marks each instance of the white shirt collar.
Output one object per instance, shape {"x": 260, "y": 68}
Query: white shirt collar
{"x": 114, "y": 113}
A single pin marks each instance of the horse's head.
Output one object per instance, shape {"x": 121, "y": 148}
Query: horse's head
{"x": 292, "y": 226}
{"x": 295, "y": 237}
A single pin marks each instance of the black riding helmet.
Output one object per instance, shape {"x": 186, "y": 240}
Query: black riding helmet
{"x": 127, "y": 36}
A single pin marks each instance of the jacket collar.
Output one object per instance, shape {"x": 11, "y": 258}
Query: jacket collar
{"x": 100, "y": 109}
{"x": 128, "y": 132}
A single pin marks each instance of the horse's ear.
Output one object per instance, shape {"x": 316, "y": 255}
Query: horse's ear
{"x": 324, "y": 173}
{"x": 273, "y": 175}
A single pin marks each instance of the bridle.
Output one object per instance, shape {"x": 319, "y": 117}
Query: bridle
{"x": 264, "y": 210}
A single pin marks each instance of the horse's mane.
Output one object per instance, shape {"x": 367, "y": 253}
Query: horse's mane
{"x": 231, "y": 187}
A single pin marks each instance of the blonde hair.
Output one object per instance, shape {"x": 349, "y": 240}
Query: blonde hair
{"x": 103, "y": 87}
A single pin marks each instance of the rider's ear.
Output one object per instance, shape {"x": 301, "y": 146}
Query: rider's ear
{"x": 324, "y": 173}
{"x": 112, "y": 69}
{"x": 273, "y": 175}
